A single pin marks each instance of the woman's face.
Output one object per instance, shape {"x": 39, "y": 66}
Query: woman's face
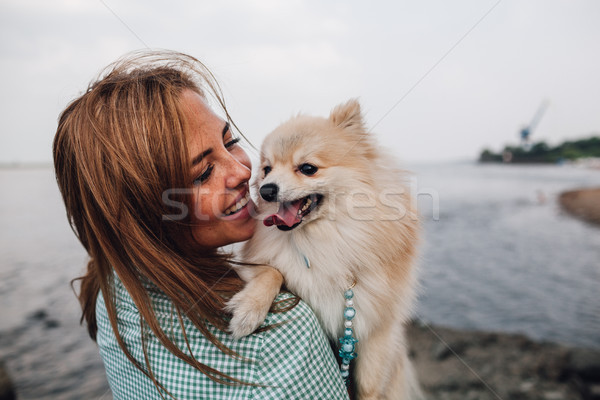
{"x": 222, "y": 208}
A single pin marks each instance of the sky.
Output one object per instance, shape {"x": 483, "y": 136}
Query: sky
{"x": 437, "y": 80}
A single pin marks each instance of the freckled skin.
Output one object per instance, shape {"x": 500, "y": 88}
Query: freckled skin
{"x": 228, "y": 180}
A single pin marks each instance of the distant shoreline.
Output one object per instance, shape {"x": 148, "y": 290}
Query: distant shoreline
{"x": 541, "y": 152}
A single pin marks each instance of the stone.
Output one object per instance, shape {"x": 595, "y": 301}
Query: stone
{"x": 7, "y": 388}
{"x": 585, "y": 363}
{"x": 440, "y": 351}
{"x": 497, "y": 365}
{"x": 51, "y": 323}
{"x": 38, "y": 315}
{"x": 526, "y": 386}
{"x": 594, "y": 392}
{"x": 553, "y": 395}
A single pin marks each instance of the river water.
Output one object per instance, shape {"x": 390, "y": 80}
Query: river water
{"x": 498, "y": 254}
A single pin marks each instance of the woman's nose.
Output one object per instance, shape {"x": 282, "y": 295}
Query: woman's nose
{"x": 238, "y": 172}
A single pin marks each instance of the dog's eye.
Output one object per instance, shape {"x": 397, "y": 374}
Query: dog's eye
{"x": 266, "y": 170}
{"x": 308, "y": 169}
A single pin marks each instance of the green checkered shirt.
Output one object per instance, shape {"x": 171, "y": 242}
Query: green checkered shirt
{"x": 291, "y": 361}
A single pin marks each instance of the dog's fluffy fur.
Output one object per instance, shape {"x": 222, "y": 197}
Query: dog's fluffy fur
{"x": 362, "y": 228}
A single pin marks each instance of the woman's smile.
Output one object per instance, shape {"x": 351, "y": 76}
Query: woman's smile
{"x": 239, "y": 206}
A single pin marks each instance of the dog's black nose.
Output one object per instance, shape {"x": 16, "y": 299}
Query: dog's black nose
{"x": 269, "y": 192}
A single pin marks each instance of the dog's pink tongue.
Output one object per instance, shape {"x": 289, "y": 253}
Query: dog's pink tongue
{"x": 287, "y": 215}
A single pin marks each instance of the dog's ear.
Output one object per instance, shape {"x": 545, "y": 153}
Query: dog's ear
{"x": 347, "y": 115}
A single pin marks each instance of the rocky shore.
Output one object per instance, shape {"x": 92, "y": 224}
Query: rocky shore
{"x": 456, "y": 364}
{"x": 465, "y": 365}
{"x": 582, "y": 203}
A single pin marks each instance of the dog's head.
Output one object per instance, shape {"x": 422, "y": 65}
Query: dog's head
{"x": 307, "y": 161}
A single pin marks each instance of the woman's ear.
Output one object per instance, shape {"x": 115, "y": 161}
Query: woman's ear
{"x": 347, "y": 115}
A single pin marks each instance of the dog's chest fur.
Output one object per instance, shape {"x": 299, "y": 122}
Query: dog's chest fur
{"x": 332, "y": 269}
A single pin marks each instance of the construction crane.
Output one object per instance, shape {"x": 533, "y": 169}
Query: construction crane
{"x": 528, "y": 130}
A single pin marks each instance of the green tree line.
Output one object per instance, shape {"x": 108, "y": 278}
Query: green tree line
{"x": 541, "y": 152}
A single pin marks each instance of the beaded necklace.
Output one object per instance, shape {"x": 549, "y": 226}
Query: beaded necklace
{"x": 348, "y": 341}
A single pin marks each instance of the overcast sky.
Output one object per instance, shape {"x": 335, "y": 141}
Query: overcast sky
{"x": 463, "y": 74}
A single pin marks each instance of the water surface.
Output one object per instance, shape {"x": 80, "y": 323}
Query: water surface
{"x": 498, "y": 255}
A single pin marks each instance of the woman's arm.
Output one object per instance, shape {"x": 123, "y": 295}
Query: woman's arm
{"x": 290, "y": 360}
{"x": 297, "y": 361}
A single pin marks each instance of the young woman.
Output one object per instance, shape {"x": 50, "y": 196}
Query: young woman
{"x": 154, "y": 183}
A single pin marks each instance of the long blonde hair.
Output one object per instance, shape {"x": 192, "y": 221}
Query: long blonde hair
{"x": 117, "y": 148}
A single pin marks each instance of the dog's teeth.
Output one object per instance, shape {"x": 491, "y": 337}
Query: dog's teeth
{"x": 305, "y": 207}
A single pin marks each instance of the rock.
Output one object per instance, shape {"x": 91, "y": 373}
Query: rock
{"x": 440, "y": 351}
{"x": 585, "y": 363}
{"x": 7, "y": 389}
{"x": 489, "y": 366}
{"x": 526, "y": 386}
{"x": 553, "y": 366}
{"x": 488, "y": 338}
{"x": 51, "y": 323}
{"x": 553, "y": 395}
{"x": 593, "y": 392}
{"x": 38, "y": 315}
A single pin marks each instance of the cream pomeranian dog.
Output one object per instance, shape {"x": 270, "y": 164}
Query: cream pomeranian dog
{"x": 336, "y": 214}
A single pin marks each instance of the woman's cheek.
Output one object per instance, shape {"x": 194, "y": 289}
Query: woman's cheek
{"x": 202, "y": 207}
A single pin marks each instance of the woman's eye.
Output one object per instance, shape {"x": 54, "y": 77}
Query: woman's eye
{"x": 266, "y": 170}
{"x": 231, "y": 143}
{"x": 308, "y": 169}
{"x": 204, "y": 176}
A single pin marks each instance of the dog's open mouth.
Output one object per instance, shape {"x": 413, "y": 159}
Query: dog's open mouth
{"x": 291, "y": 213}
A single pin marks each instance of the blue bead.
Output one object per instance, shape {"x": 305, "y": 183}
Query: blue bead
{"x": 346, "y": 357}
{"x": 349, "y": 313}
{"x": 348, "y": 339}
{"x": 347, "y": 348}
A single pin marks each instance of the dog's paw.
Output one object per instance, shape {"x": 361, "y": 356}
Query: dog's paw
{"x": 249, "y": 311}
